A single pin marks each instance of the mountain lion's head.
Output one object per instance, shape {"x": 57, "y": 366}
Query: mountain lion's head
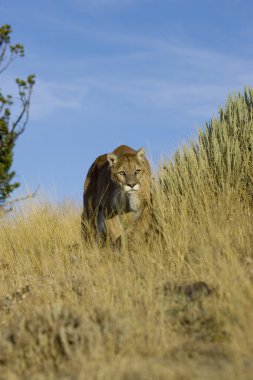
{"x": 127, "y": 170}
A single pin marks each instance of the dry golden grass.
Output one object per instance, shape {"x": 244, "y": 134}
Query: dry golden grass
{"x": 176, "y": 307}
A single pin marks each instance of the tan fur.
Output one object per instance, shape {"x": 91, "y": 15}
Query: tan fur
{"x": 117, "y": 184}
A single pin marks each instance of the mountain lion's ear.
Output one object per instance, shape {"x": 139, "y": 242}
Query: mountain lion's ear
{"x": 141, "y": 154}
{"x": 112, "y": 159}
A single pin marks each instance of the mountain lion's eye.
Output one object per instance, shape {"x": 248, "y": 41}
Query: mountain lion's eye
{"x": 122, "y": 173}
{"x": 137, "y": 171}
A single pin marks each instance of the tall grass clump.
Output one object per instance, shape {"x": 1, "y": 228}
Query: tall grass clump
{"x": 218, "y": 164}
{"x": 177, "y": 306}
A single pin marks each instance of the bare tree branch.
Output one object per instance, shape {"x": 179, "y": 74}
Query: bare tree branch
{"x": 4, "y": 210}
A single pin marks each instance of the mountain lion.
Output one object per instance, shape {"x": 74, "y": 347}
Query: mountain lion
{"x": 117, "y": 184}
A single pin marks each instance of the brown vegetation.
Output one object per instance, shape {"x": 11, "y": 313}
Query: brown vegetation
{"x": 176, "y": 307}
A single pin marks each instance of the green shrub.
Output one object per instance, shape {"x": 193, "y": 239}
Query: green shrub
{"x": 220, "y": 161}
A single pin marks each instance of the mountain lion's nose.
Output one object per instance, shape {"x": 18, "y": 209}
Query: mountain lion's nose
{"x": 131, "y": 184}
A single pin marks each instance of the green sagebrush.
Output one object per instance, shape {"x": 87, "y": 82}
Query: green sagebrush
{"x": 219, "y": 160}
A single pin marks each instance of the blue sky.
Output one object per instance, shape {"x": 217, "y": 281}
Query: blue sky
{"x": 109, "y": 72}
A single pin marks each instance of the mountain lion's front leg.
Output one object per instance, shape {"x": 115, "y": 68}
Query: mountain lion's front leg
{"x": 114, "y": 229}
{"x": 141, "y": 224}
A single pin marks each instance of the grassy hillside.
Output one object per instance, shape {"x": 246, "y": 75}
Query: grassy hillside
{"x": 177, "y": 307}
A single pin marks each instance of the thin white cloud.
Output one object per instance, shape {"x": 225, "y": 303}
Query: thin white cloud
{"x": 93, "y": 94}
{"x": 95, "y": 4}
{"x": 164, "y": 74}
{"x": 158, "y": 72}
{"x": 219, "y": 75}
{"x": 148, "y": 47}
{"x": 192, "y": 99}
{"x": 50, "y": 97}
